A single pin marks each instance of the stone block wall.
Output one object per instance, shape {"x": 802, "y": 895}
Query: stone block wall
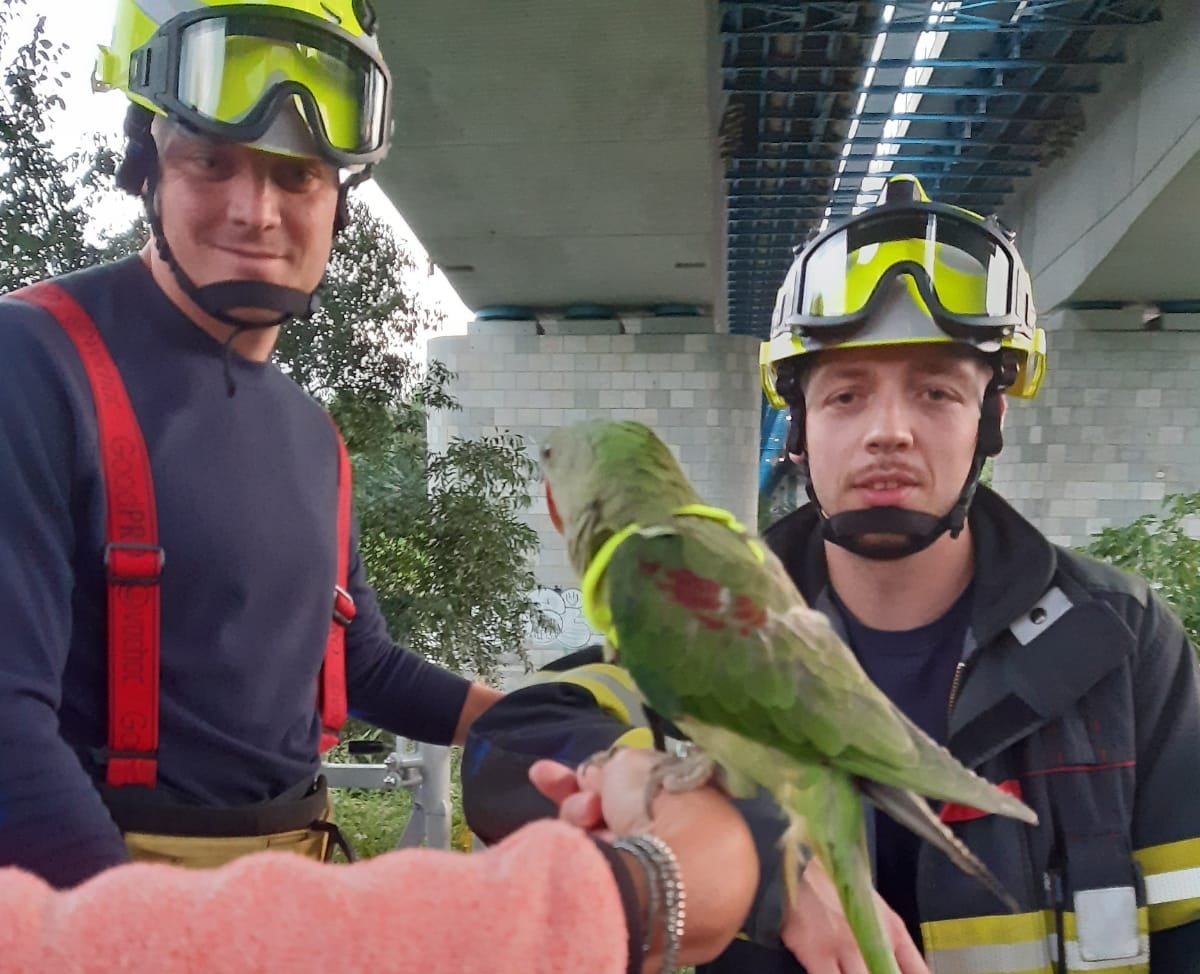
{"x": 1115, "y": 428}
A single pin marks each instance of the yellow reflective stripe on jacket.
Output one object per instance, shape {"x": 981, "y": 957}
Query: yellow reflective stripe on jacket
{"x": 610, "y": 686}
{"x": 1023, "y": 943}
{"x": 1172, "y": 875}
{"x": 1018, "y": 944}
{"x": 642, "y": 737}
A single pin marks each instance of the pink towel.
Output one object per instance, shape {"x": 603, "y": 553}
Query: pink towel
{"x": 542, "y": 900}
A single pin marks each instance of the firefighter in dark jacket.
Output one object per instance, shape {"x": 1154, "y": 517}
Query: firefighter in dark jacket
{"x": 896, "y": 338}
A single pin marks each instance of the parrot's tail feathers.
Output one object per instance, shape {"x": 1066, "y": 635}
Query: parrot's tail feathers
{"x": 913, "y": 812}
{"x": 840, "y": 844}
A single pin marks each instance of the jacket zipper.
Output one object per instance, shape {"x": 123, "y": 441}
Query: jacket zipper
{"x": 1054, "y": 894}
{"x": 959, "y": 669}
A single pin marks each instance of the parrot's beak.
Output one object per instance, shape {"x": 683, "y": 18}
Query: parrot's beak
{"x": 554, "y": 518}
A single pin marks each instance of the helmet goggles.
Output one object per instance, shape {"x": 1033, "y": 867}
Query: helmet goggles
{"x": 961, "y": 269}
{"x": 227, "y": 70}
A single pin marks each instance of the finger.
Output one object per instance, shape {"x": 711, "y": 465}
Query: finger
{"x": 582, "y": 809}
{"x": 553, "y": 780}
{"x": 851, "y": 960}
{"x": 626, "y": 768}
{"x": 908, "y": 958}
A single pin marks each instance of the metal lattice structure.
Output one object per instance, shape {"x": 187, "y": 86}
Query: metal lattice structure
{"x": 826, "y": 97}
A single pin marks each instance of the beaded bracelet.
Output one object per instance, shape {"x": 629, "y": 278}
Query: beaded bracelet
{"x": 665, "y": 885}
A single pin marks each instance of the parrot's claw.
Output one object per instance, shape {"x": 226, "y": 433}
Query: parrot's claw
{"x": 679, "y": 772}
{"x": 599, "y": 759}
{"x": 796, "y": 854}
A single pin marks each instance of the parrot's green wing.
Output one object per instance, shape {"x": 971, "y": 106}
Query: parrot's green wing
{"x": 711, "y": 627}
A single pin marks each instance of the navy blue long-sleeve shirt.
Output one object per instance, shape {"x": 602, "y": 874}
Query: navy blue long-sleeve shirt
{"x": 246, "y": 490}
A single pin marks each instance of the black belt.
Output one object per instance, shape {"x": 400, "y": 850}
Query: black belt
{"x": 137, "y": 810}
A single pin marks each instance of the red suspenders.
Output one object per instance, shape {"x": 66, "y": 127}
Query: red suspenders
{"x": 133, "y": 562}
{"x": 331, "y": 687}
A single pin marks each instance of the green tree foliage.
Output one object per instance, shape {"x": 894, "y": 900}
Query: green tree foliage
{"x": 1160, "y": 549}
{"x": 42, "y": 224}
{"x": 47, "y": 196}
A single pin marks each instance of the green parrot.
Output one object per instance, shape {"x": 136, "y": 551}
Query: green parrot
{"x": 718, "y": 640}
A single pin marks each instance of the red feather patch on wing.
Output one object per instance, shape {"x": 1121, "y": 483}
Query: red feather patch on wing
{"x": 703, "y": 599}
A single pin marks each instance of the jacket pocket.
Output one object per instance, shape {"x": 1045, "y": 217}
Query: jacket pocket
{"x": 1101, "y": 917}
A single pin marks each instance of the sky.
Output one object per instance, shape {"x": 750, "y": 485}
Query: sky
{"x": 82, "y": 25}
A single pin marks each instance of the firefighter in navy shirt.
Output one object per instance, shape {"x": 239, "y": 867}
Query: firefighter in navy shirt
{"x": 247, "y": 127}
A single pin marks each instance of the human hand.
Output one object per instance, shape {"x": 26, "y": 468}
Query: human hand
{"x": 607, "y": 798}
{"x": 816, "y": 932}
{"x": 717, "y": 860}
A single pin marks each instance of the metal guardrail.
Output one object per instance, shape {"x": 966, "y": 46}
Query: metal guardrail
{"x": 424, "y": 769}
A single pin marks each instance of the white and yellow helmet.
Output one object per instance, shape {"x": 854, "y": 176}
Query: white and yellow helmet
{"x": 961, "y": 269}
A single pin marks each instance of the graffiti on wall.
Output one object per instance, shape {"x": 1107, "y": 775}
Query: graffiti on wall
{"x": 568, "y": 629}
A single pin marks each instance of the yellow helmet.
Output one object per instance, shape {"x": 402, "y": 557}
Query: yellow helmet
{"x": 961, "y": 269}
{"x": 227, "y": 68}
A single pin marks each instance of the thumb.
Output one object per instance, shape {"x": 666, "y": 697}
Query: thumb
{"x": 553, "y": 780}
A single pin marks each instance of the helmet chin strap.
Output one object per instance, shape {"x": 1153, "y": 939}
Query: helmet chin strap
{"x": 890, "y": 533}
{"x": 869, "y": 533}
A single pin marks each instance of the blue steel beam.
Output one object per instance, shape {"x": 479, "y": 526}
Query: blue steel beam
{"x": 760, "y": 247}
{"x": 897, "y": 140}
{"x": 748, "y": 207}
{"x": 763, "y": 240}
{"x": 757, "y": 201}
{"x": 773, "y": 461}
{"x": 747, "y": 199}
{"x": 813, "y": 182}
{"x": 785, "y": 203}
{"x": 901, "y": 64}
{"x": 803, "y": 88}
{"x": 755, "y": 268}
{"x": 870, "y": 118}
{"x": 794, "y": 221}
{"x": 1007, "y": 166}
{"x": 910, "y": 16}
{"x": 801, "y": 167}
{"x": 920, "y": 27}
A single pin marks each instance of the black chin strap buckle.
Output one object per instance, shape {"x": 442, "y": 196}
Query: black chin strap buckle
{"x": 220, "y": 298}
{"x": 912, "y": 531}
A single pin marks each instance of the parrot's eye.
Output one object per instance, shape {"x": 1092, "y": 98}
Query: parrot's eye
{"x": 545, "y": 454}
